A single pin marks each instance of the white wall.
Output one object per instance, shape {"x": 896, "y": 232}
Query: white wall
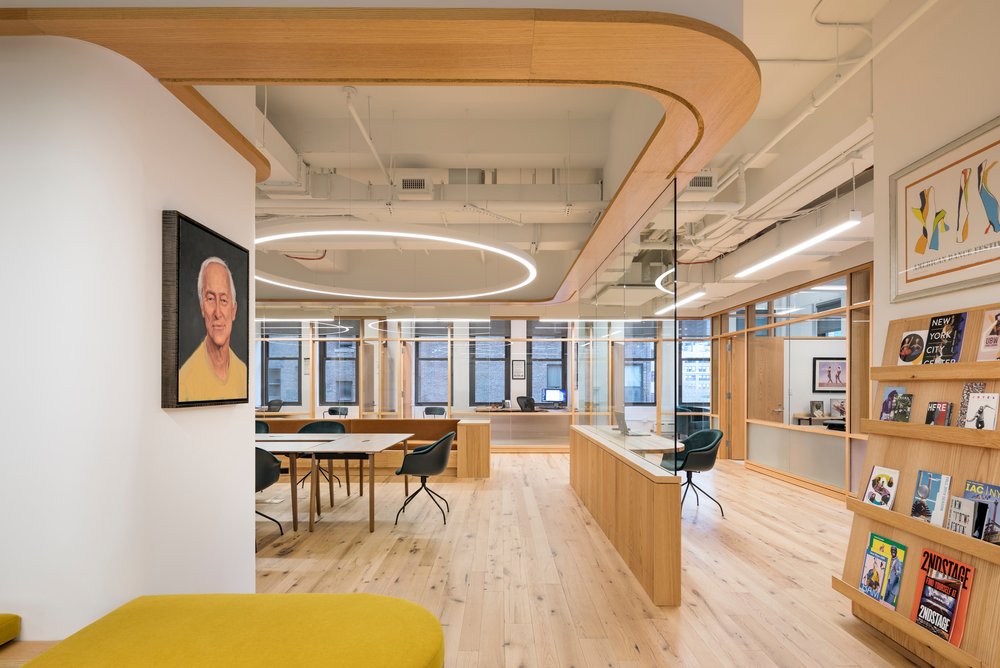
{"x": 105, "y": 496}
{"x": 932, "y": 85}
{"x": 799, "y": 354}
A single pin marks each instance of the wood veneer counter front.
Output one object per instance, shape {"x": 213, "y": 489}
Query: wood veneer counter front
{"x": 636, "y": 503}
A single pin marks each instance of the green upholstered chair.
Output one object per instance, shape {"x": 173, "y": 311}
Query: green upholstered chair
{"x": 261, "y": 427}
{"x": 337, "y": 411}
{"x": 268, "y": 471}
{"x": 328, "y": 427}
{"x": 700, "y": 452}
{"x": 424, "y": 462}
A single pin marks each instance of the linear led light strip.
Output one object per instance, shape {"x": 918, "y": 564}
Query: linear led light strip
{"x": 526, "y": 262}
{"x": 854, "y": 221}
{"x": 681, "y": 302}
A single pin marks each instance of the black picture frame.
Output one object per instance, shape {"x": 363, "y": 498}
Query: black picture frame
{"x": 186, "y": 245}
{"x": 825, "y": 377}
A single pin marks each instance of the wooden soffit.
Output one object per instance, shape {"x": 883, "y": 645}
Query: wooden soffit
{"x": 707, "y": 81}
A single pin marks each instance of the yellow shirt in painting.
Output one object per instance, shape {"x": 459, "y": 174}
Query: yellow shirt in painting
{"x": 196, "y": 380}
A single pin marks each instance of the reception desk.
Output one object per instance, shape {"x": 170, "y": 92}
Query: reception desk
{"x": 516, "y": 428}
{"x": 635, "y": 502}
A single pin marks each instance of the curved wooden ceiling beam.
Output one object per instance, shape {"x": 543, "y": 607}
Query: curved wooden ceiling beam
{"x": 707, "y": 81}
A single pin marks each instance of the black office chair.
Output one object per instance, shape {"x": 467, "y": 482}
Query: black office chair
{"x": 435, "y": 411}
{"x": 274, "y": 405}
{"x": 526, "y": 404}
{"x": 337, "y": 411}
{"x": 700, "y": 451}
{"x": 424, "y": 462}
{"x": 325, "y": 427}
{"x": 261, "y": 427}
{"x": 268, "y": 472}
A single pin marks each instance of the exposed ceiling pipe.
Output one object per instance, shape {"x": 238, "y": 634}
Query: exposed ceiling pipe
{"x": 836, "y": 60}
{"x": 842, "y": 79}
{"x": 350, "y": 91}
{"x": 320, "y": 207}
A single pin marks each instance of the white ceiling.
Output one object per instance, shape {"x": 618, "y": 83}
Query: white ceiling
{"x": 538, "y": 138}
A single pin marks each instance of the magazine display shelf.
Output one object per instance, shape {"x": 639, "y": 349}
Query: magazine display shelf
{"x": 964, "y": 454}
{"x": 928, "y": 432}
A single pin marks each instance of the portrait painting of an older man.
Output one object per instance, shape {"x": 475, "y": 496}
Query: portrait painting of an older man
{"x": 210, "y": 308}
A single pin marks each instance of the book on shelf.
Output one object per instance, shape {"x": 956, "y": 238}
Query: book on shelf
{"x": 930, "y": 497}
{"x": 942, "y": 597}
{"x": 982, "y": 411}
{"x": 967, "y": 391}
{"x": 901, "y": 409}
{"x": 939, "y": 413}
{"x": 980, "y": 491}
{"x": 882, "y": 570}
{"x": 989, "y": 341}
{"x": 944, "y": 339}
{"x": 911, "y": 347}
{"x": 882, "y": 485}
{"x": 969, "y": 517}
{"x": 889, "y": 395}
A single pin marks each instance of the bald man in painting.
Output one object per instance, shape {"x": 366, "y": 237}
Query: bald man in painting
{"x": 213, "y": 371}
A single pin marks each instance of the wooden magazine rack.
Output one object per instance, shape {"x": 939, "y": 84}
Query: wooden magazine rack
{"x": 964, "y": 454}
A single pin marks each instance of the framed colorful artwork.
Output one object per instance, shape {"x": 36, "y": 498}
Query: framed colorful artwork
{"x": 945, "y": 219}
{"x": 205, "y": 332}
{"x": 829, "y": 374}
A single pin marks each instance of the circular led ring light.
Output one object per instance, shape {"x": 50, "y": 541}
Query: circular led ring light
{"x": 523, "y": 259}
{"x": 659, "y": 280}
{"x": 341, "y": 328}
{"x": 472, "y": 322}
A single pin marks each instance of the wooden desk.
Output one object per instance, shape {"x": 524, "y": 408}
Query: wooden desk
{"x": 799, "y": 417}
{"x": 293, "y": 445}
{"x": 279, "y": 414}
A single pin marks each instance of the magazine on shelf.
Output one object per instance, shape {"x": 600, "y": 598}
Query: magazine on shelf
{"x": 967, "y": 391}
{"x": 982, "y": 411}
{"x": 942, "y": 597}
{"x": 911, "y": 347}
{"x": 901, "y": 409}
{"x": 980, "y": 491}
{"x": 882, "y": 570}
{"x": 882, "y": 485}
{"x": 930, "y": 497}
{"x": 939, "y": 413}
{"x": 989, "y": 342}
{"x": 889, "y": 395}
{"x": 969, "y": 516}
{"x": 944, "y": 339}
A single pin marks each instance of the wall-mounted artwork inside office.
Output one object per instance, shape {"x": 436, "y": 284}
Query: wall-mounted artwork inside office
{"x": 945, "y": 218}
{"x": 205, "y": 340}
{"x": 829, "y": 374}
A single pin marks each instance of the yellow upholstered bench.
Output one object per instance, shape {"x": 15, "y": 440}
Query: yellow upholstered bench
{"x": 344, "y": 630}
{"x": 10, "y": 627}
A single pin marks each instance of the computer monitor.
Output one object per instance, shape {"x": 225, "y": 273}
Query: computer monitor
{"x": 555, "y": 395}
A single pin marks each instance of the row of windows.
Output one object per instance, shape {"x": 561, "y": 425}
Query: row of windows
{"x": 489, "y": 367}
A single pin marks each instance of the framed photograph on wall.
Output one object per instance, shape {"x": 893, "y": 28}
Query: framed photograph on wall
{"x": 205, "y": 331}
{"x": 517, "y": 369}
{"x": 944, "y": 219}
{"x": 829, "y": 374}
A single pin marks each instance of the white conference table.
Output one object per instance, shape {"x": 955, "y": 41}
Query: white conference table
{"x": 295, "y": 445}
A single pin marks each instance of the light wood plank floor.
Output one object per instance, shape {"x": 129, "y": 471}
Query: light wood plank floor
{"x": 522, "y": 576}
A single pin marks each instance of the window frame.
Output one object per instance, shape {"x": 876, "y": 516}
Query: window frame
{"x": 563, "y": 344}
{"x": 446, "y": 341}
{"x": 266, "y": 357}
{"x": 504, "y": 338}
{"x": 654, "y": 341}
{"x": 321, "y": 380}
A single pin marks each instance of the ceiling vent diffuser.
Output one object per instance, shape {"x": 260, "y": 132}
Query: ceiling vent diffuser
{"x": 415, "y": 188}
{"x": 704, "y": 180}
